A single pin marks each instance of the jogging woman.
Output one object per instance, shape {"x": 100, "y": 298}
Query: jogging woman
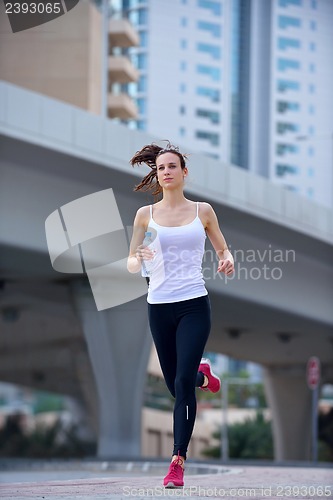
{"x": 178, "y": 302}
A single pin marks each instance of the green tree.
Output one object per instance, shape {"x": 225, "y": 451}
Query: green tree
{"x": 46, "y": 402}
{"x": 43, "y": 441}
{"x": 249, "y": 439}
{"x": 325, "y": 436}
{"x": 240, "y": 395}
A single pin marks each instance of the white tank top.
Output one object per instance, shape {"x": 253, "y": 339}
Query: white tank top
{"x": 177, "y": 265}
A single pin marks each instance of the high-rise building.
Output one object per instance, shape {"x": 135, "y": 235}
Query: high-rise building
{"x": 183, "y": 59}
{"x": 248, "y": 82}
{"x": 63, "y": 59}
{"x": 301, "y": 97}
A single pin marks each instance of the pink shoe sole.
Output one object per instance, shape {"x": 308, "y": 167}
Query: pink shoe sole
{"x": 214, "y": 382}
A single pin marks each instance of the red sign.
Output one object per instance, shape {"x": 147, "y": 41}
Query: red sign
{"x": 313, "y": 373}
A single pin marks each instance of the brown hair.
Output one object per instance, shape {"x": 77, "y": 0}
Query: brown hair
{"x": 148, "y": 155}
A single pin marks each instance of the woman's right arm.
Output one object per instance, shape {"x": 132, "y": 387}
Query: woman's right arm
{"x": 139, "y": 228}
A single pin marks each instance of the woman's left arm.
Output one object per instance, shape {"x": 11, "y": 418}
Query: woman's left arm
{"x": 214, "y": 233}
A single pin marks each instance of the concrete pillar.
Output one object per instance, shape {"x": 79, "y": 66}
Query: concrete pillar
{"x": 119, "y": 343}
{"x": 290, "y": 401}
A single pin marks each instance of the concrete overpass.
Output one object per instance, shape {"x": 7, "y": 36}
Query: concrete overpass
{"x": 277, "y": 310}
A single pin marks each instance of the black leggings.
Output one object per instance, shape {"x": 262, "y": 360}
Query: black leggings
{"x": 180, "y": 331}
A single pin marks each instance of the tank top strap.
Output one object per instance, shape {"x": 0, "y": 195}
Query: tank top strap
{"x": 197, "y": 208}
{"x": 151, "y": 211}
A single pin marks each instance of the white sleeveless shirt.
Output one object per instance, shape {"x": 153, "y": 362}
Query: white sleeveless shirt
{"x": 177, "y": 265}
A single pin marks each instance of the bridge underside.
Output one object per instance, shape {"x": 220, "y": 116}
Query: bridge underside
{"x": 37, "y": 315}
{"x": 45, "y": 344}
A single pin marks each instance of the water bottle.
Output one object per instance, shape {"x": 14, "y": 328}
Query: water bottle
{"x": 147, "y": 265}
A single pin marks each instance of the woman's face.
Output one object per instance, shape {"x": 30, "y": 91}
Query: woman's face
{"x": 169, "y": 171}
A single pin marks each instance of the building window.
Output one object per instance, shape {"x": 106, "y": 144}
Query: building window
{"x": 141, "y": 125}
{"x": 143, "y": 38}
{"x": 283, "y": 85}
{"x": 212, "y": 94}
{"x": 213, "y": 50}
{"x": 213, "y": 116}
{"x": 311, "y": 151}
{"x": 311, "y": 130}
{"x": 142, "y": 16}
{"x": 314, "y": 4}
{"x": 310, "y": 172}
{"x": 312, "y": 46}
{"x": 312, "y": 88}
{"x": 182, "y": 110}
{"x": 212, "y": 137}
{"x": 182, "y": 132}
{"x": 133, "y": 57}
{"x": 126, "y": 6}
{"x": 313, "y": 25}
{"x": 285, "y": 22}
{"x": 291, "y": 188}
{"x": 310, "y": 192}
{"x": 183, "y": 44}
{"x": 213, "y": 73}
{"x": 283, "y": 127}
{"x": 141, "y": 103}
{"x": 293, "y": 106}
{"x": 212, "y": 28}
{"x": 129, "y": 88}
{"x": 282, "y": 170}
{"x": 142, "y": 61}
{"x": 311, "y": 109}
{"x": 133, "y": 17}
{"x": 282, "y": 149}
{"x": 285, "y": 3}
{"x": 214, "y": 7}
{"x": 183, "y": 22}
{"x": 285, "y": 43}
{"x": 312, "y": 67}
{"x": 142, "y": 83}
{"x": 182, "y": 88}
{"x": 285, "y": 64}
{"x": 283, "y": 106}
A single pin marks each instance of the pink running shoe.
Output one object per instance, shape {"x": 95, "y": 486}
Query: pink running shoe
{"x": 175, "y": 476}
{"x": 214, "y": 383}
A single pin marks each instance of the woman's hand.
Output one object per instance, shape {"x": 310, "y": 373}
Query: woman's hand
{"x": 226, "y": 266}
{"x": 139, "y": 227}
{"x": 144, "y": 253}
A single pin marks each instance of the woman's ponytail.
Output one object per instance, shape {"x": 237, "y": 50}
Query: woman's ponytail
{"x": 148, "y": 155}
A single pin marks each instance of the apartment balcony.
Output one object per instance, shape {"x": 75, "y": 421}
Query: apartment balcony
{"x": 121, "y": 106}
{"x": 121, "y": 70}
{"x": 122, "y": 33}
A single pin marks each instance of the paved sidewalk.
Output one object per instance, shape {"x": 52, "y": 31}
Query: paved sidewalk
{"x": 232, "y": 482}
